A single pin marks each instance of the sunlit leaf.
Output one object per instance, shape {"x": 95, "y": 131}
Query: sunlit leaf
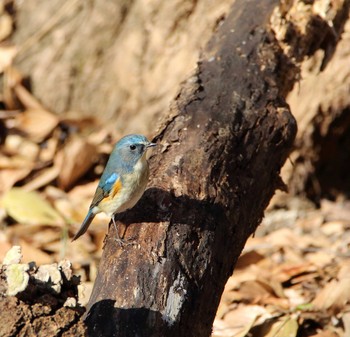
{"x": 29, "y": 208}
{"x": 286, "y": 327}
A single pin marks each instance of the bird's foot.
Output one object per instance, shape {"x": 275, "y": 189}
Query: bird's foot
{"x": 125, "y": 242}
{"x": 120, "y": 240}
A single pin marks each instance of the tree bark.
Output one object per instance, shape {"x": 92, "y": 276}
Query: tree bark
{"x": 215, "y": 169}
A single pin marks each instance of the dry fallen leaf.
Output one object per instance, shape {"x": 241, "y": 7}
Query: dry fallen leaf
{"x": 284, "y": 327}
{"x": 42, "y": 179}
{"x": 240, "y": 320}
{"x": 8, "y": 177}
{"x": 346, "y": 323}
{"x": 81, "y": 192}
{"x": 26, "y": 98}
{"x": 40, "y": 239}
{"x": 16, "y": 162}
{"x": 26, "y": 231}
{"x": 247, "y": 258}
{"x": 12, "y": 77}
{"x": 29, "y": 208}
{"x": 6, "y": 26}
{"x": 78, "y": 157}
{"x": 36, "y": 123}
{"x": 22, "y": 147}
{"x": 7, "y": 55}
{"x": 49, "y": 147}
{"x": 289, "y": 272}
{"x": 333, "y": 296}
{"x": 336, "y": 211}
{"x": 13, "y": 162}
{"x": 326, "y": 334}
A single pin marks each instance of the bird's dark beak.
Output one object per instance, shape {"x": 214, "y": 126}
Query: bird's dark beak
{"x": 151, "y": 145}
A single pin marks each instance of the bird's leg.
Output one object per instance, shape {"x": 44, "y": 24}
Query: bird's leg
{"x": 119, "y": 239}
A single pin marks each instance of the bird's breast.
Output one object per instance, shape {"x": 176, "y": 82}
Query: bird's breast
{"x": 133, "y": 185}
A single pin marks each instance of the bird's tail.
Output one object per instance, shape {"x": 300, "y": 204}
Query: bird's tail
{"x": 85, "y": 225}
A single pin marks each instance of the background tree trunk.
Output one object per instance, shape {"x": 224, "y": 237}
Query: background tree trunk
{"x": 114, "y": 60}
{"x": 228, "y": 126}
{"x": 320, "y": 164}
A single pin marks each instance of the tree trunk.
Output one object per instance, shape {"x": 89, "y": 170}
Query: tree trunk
{"x": 119, "y": 61}
{"x": 215, "y": 169}
{"x": 320, "y": 164}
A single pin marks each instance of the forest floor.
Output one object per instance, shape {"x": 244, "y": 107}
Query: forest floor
{"x": 293, "y": 277}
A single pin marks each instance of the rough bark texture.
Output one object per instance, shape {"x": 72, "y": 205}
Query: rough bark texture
{"x": 215, "y": 170}
{"x": 120, "y": 60}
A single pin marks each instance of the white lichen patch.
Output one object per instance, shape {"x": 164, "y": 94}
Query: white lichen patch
{"x": 17, "y": 278}
{"x": 175, "y": 299}
{"x": 14, "y": 255}
{"x": 50, "y": 273}
{"x": 70, "y": 302}
{"x": 65, "y": 266}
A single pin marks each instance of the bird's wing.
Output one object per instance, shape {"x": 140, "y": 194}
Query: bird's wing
{"x": 107, "y": 188}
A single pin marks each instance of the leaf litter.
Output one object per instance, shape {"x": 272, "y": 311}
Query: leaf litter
{"x": 49, "y": 170}
{"x": 297, "y": 273}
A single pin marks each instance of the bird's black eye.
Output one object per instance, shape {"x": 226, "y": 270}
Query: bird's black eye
{"x": 132, "y": 147}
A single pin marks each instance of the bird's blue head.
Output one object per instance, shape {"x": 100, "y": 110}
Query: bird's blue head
{"x": 131, "y": 148}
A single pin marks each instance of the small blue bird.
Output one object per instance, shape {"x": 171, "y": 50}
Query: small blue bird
{"x": 123, "y": 180}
